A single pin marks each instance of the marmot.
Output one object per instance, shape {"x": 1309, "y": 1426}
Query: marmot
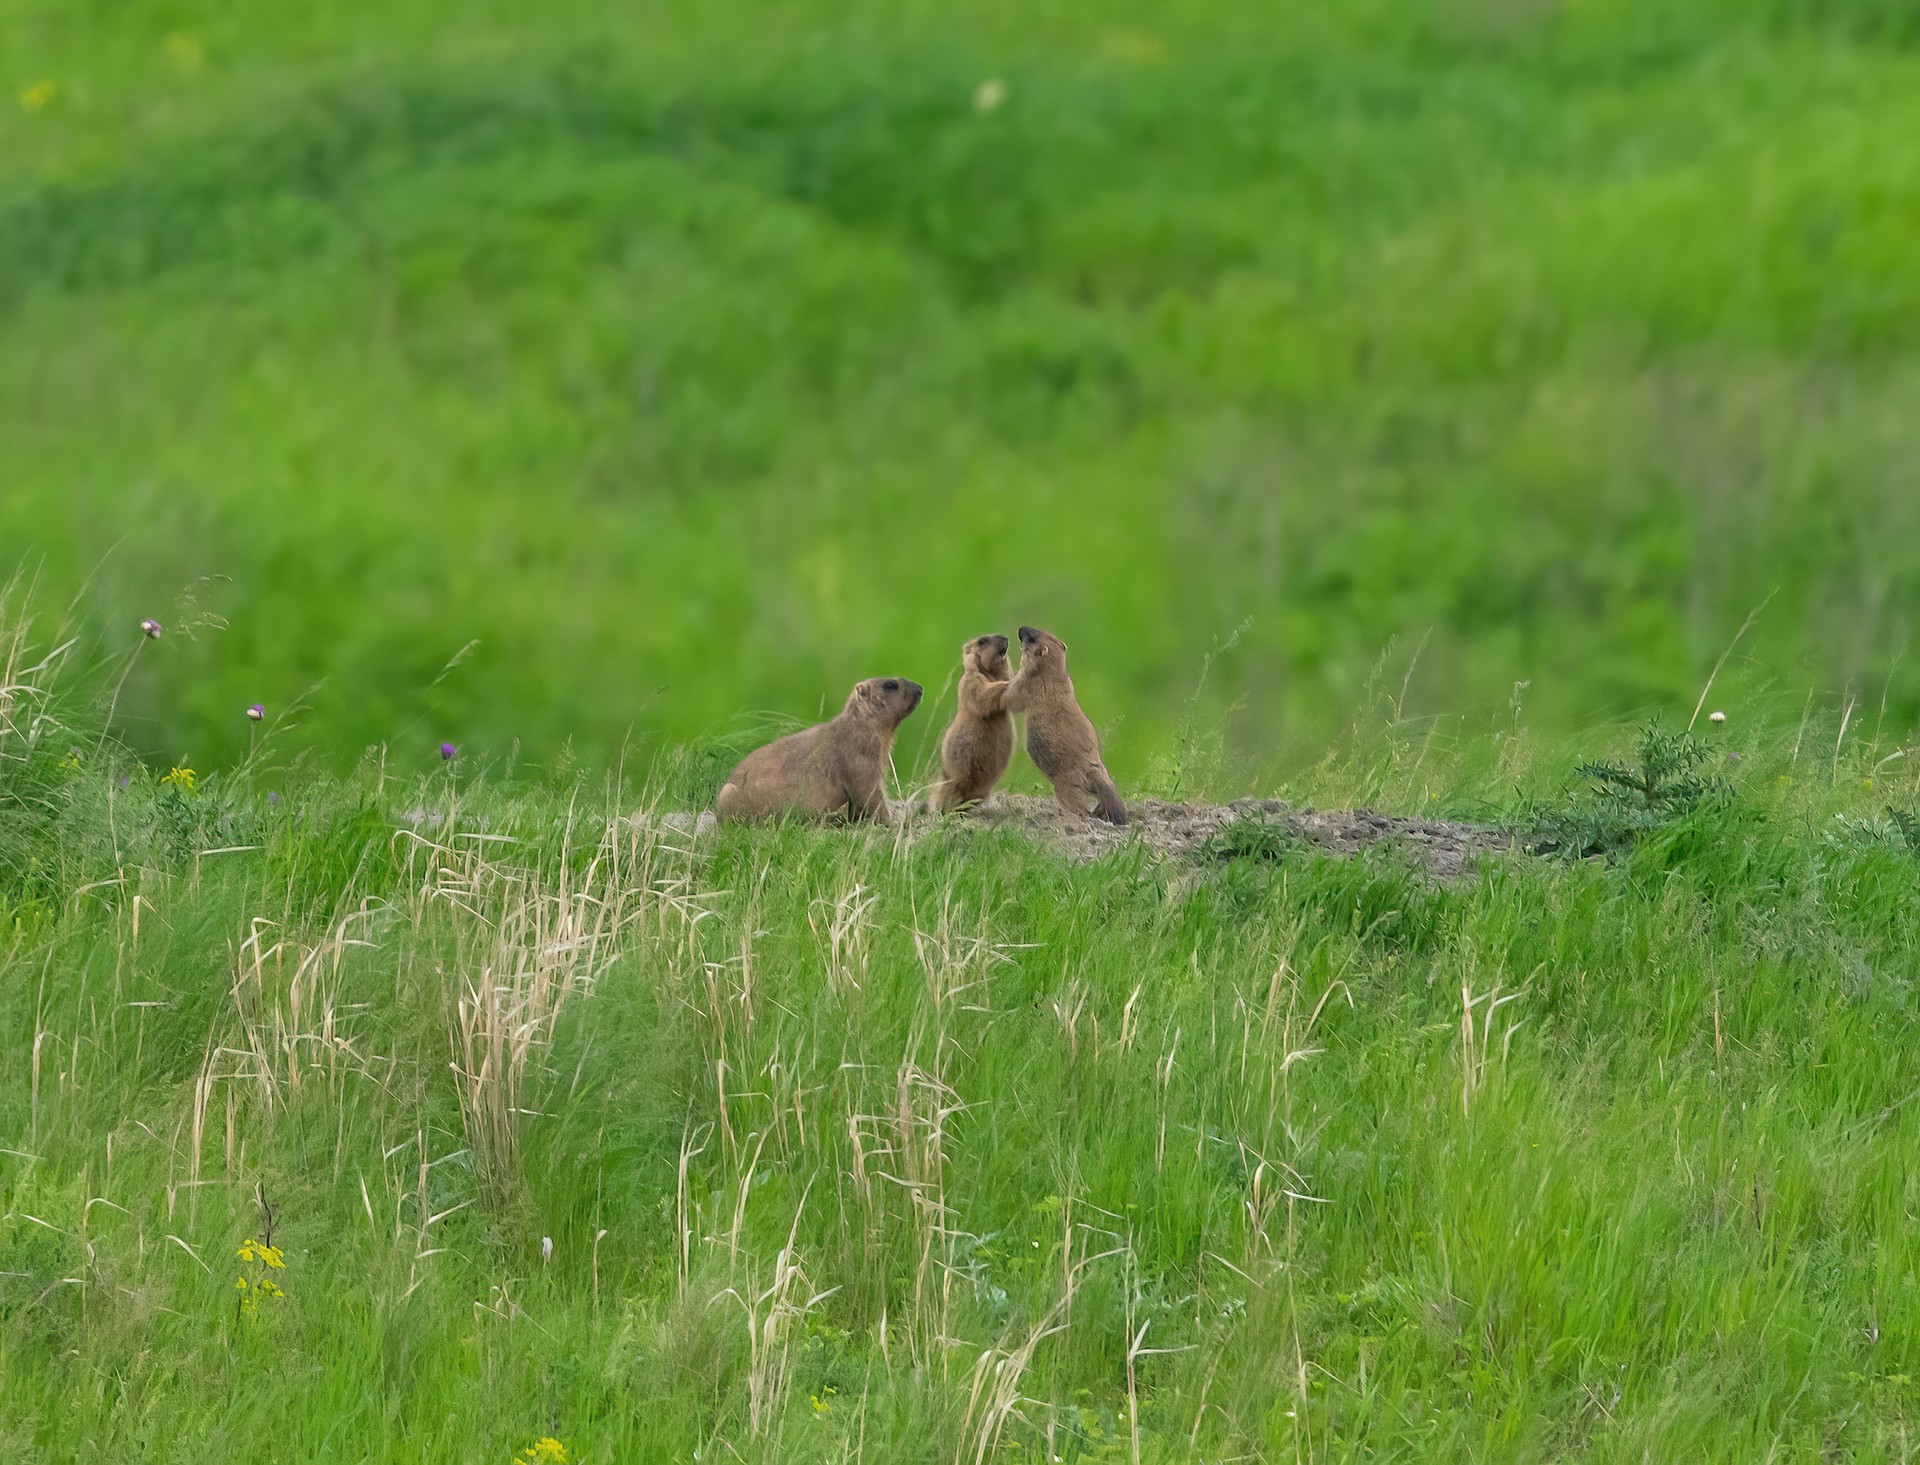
{"x": 1060, "y": 739}
{"x": 978, "y": 743}
{"x": 836, "y": 769}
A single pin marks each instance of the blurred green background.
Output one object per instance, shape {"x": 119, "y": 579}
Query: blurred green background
{"x": 697, "y": 360}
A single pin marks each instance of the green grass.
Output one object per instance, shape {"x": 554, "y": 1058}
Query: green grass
{"x": 707, "y": 359}
{"x": 852, "y": 1146}
{"x": 1389, "y": 400}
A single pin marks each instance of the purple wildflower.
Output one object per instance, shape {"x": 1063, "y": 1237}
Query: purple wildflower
{"x": 152, "y": 628}
{"x": 256, "y": 712}
{"x": 447, "y": 750}
{"x": 273, "y": 796}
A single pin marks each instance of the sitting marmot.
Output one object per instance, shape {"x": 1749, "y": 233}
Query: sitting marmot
{"x": 834, "y": 770}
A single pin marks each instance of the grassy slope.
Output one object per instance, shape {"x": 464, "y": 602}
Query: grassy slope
{"x": 1570, "y": 334}
{"x": 824, "y": 1128}
{"x": 639, "y": 349}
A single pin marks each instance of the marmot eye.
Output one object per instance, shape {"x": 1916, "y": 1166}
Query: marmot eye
{"x": 891, "y": 685}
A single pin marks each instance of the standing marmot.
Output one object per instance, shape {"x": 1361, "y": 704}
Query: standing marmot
{"x": 834, "y": 770}
{"x": 1060, "y": 740}
{"x": 979, "y": 741}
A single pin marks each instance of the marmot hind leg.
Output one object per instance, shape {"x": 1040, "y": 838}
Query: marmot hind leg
{"x": 1072, "y": 795}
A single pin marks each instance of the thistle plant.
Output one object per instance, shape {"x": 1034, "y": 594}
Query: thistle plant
{"x": 1907, "y": 825}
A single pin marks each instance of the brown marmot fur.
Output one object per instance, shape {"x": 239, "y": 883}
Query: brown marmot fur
{"x": 1060, "y": 739}
{"x": 978, "y": 743}
{"x": 834, "y": 770}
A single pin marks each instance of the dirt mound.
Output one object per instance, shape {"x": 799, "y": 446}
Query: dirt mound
{"x": 1447, "y": 849}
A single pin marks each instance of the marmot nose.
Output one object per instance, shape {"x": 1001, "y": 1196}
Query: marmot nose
{"x": 1027, "y": 633}
{"x": 1000, "y": 643}
{"x": 915, "y": 689}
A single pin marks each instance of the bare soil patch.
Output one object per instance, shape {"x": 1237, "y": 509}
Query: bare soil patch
{"x": 1448, "y": 849}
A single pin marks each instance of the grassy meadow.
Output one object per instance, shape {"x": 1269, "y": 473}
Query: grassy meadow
{"x": 1394, "y": 403}
{"x": 688, "y": 360}
{"x": 539, "y": 1124}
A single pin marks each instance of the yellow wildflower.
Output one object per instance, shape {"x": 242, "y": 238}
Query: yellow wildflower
{"x": 36, "y": 97}
{"x": 544, "y": 1451}
{"x": 180, "y": 778}
{"x": 253, "y": 1288}
{"x": 259, "y": 1251}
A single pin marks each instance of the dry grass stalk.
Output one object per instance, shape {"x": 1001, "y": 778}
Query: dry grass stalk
{"x": 994, "y": 1397}
{"x": 1476, "y": 1049}
{"x": 770, "y": 1315}
{"x": 284, "y": 1035}
{"x": 543, "y": 938}
{"x": 683, "y": 1198}
{"x": 26, "y": 679}
{"x": 841, "y": 926}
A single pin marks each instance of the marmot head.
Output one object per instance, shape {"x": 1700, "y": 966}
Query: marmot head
{"x": 1042, "y": 650}
{"x": 986, "y": 655}
{"x": 888, "y": 701}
